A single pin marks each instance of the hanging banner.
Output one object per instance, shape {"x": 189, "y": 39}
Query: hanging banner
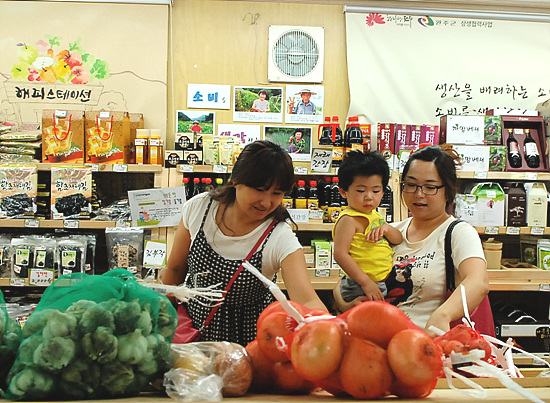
{"x": 414, "y": 69}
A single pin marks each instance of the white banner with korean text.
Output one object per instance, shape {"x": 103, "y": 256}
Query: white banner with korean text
{"x": 414, "y": 69}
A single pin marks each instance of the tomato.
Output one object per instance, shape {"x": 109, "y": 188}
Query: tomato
{"x": 263, "y": 373}
{"x": 402, "y": 390}
{"x": 288, "y": 381}
{"x": 317, "y": 349}
{"x": 276, "y": 324}
{"x": 365, "y": 372}
{"x": 414, "y": 357}
{"x": 377, "y": 321}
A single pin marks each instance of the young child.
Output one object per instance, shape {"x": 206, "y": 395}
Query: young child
{"x": 361, "y": 235}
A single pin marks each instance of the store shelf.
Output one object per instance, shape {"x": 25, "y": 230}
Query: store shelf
{"x": 315, "y": 226}
{"x": 513, "y": 230}
{"x": 541, "y": 176}
{"x": 32, "y": 223}
{"x": 44, "y": 166}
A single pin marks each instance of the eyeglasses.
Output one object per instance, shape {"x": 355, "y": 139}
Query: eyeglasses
{"x": 428, "y": 190}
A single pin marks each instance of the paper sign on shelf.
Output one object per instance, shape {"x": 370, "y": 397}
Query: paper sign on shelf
{"x": 321, "y": 159}
{"x": 154, "y": 254}
{"x": 299, "y": 215}
{"x": 156, "y": 207}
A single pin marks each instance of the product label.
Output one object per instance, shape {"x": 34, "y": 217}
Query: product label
{"x": 68, "y": 258}
{"x": 22, "y": 257}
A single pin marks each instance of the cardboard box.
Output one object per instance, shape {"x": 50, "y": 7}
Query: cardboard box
{"x": 172, "y": 158}
{"x": 462, "y": 129}
{"x": 429, "y": 134}
{"x": 192, "y": 157}
{"x": 136, "y": 122}
{"x": 415, "y": 132}
{"x": 402, "y": 134}
{"x": 516, "y": 206}
{"x": 497, "y": 158}
{"x": 107, "y": 137}
{"x": 490, "y": 204}
{"x": 18, "y": 191}
{"x": 473, "y": 158}
{"x": 386, "y": 139}
{"x": 536, "y": 126}
{"x": 63, "y": 136}
{"x": 184, "y": 141}
{"x": 492, "y": 133}
{"x": 323, "y": 252}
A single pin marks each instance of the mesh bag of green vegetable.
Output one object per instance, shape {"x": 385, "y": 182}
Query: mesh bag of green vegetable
{"x": 93, "y": 337}
{"x": 10, "y": 338}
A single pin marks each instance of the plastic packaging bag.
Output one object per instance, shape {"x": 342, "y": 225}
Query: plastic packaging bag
{"x": 10, "y": 338}
{"x": 125, "y": 248}
{"x": 93, "y": 337}
{"x": 206, "y": 371}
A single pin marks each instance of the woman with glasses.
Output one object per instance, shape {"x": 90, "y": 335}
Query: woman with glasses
{"x": 429, "y": 185}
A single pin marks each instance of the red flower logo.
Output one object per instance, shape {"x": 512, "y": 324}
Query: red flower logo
{"x": 375, "y": 18}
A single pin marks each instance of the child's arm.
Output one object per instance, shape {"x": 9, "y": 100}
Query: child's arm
{"x": 392, "y": 234}
{"x": 343, "y": 235}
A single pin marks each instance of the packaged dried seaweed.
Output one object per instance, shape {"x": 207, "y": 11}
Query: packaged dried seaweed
{"x": 90, "y": 241}
{"x": 5, "y": 257}
{"x": 71, "y": 192}
{"x": 18, "y": 188}
{"x": 71, "y": 255}
{"x": 125, "y": 248}
{"x": 22, "y": 252}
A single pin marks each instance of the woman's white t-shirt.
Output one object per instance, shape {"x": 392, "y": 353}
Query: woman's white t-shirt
{"x": 281, "y": 243}
{"x": 428, "y": 273}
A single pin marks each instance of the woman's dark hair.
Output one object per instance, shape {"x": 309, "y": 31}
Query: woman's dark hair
{"x": 356, "y": 163}
{"x": 445, "y": 159}
{"x": 261, "y": 164}
{"x": 262, "y": 92}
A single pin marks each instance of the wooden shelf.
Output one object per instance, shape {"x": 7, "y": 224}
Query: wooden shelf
{"x": 499, "y": 280}
{"x": 493, "y": 230}
{"x": 540, "y": 176}
{"x": 45, "y": 166}
{"x": 86, "y": 224}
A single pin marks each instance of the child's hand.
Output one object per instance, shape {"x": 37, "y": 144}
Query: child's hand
{"x": 376, "y": 233}
{"x": 290, "y": 139}
{"x": 372, "y": 292}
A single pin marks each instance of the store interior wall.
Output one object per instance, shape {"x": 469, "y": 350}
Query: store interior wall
{"x": 226, "y": 42}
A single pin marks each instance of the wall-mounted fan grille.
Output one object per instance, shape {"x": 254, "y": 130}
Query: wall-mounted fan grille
{"x": 296, "y": 54}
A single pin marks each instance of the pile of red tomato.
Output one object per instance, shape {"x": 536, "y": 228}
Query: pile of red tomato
{"x": 371, "y": 351}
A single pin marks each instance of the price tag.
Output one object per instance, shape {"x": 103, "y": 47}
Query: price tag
{"x": 154, "y": 254}
{"x": 123, "y": 224}
{"x": 299, "y": 215}
{"x": 120, "y": 168}
{"x": 537, "y": 230}
{"x": 517, "y": 175}
{"x": 544, "y": 287}
{"x": 71, "y": 223}
{"x": 104, "y": 115}
{"x": 219, "y": 169}
{"x": 512, "y": 230}
{"x": 491, "y": 230}
{"x": 31, "y": 223}
{"x": 17, "y": 282}
{"x": 315, "y": 214}
{"x": 531, "y": 176}
{"x": 186, "y": 168}
{"x": 321, "y": 159}
{"x": 480, "y": 174}
{"x": 40, "y": 277}
{"x": 95, "y": 167}
{"x": 300, "y": 170}
{"x": 322, "y": 272}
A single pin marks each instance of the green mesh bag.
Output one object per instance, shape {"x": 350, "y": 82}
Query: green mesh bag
{"x": 93, "y": 337}
{"x": 10, "y": 338}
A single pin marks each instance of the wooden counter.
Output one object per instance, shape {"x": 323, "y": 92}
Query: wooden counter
{"x": 494, "y": 395}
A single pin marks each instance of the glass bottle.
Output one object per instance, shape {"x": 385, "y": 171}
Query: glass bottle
{"x": 531, "y": 152}
{"x": 337, "y": 143}
{"x": 514, "y": 157}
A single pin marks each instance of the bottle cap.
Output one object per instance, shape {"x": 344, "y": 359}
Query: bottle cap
{"x": 334, "y": 179}
{"x": 185, "y": 180}
{"x": 301, "y": 183}
{"x": 196, "y": 180}
{"x": 312, "y": 183}
{"x": 335, "y": 119}
{"x": 208, "y": 180}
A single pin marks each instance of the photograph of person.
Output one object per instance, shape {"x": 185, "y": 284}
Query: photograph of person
{"x": 296, "y": 140}
{"x": 304, "y": 104}
{"x": 253, "y": 104}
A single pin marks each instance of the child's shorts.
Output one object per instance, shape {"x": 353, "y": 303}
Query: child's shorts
{"x": 350, "y": 289}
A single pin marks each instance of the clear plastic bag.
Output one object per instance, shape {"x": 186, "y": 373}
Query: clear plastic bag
{"x": 206, "y": 371}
